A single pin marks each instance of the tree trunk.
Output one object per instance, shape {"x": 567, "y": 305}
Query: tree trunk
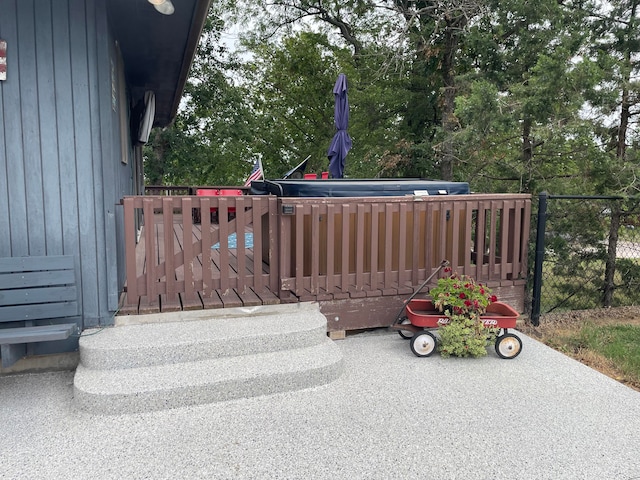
{"x": 625, "y": 114}
{"x": 449, "y": 121}
{"x": 612, "y": 247}
{"x": 527, "y": 157}
{"x": 155, "y": 168}
{"x": 621, "y": 153}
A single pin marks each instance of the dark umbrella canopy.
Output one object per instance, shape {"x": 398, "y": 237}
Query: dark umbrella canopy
{"x": 341, "y": 143}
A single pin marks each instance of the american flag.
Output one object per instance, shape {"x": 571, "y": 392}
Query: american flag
{"x": 256, "y": 174}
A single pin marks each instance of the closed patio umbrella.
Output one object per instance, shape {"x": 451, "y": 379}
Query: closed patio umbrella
{"x": 341, "y": 143}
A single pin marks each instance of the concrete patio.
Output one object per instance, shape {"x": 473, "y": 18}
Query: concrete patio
{"x": 390, "y": 415}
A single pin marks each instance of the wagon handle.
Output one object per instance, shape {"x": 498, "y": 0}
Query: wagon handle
{"x": 444, "y": 263}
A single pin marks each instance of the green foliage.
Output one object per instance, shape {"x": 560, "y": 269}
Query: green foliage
{"x": 291, "y": 86}
{"x": 461, "y": 295}
{"x": 465, "y": 336}
{"x": 540, "y": 90}
{"x": 463, "y": 300}
{"x": 211, "y": 140}
{"x": 520, "y": 107}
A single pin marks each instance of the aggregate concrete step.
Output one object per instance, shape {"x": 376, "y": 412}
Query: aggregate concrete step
{"x": 179, "y": 360}
{"x": 158, "y": 387}
{"x": 132, "y": 344}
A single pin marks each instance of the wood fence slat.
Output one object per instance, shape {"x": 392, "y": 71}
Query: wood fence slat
{"x": 524, "y": 224}
{"x": 493, "y": 240}
{"x": 402, "y": 247}
{"x": 375, "y": 231}
{"x": 359, "y": 251}
{"x": 506, "y": 247}
{"x": 191, "y": 264}
{"x": 150, "y": 301}
{"x": 286, "y": 246}
{"x": 430, "y": 261}
{"x": 170, "y": 302}
{"x": 256, "y": 222}
{"x": 299, "y": 255}
{"x": 223, "y": 250}
{"x": 456, "y": 218}
{"x": 330, "y": 220}
{"x": 468, "y": 239}
{"x": 206, "y": 241}
{"x": 387, "y": 287}
{"x": 316, "y": 241}
{"x": 480, "y": 239}
{"x": 131, "y": 261}
{"x": 241, "y": 238}
{"x": 416, "y": 208}
{"x": 346, "y": 233}
{"x": 276, "y": 237}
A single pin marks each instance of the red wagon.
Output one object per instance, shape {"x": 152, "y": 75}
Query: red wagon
{"x": 421, "y": 315}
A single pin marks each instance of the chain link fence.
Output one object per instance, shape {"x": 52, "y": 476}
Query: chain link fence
{"x": 586, "y": 253}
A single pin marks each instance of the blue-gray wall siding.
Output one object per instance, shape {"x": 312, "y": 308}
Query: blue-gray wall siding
{"x": 61, "y": 177}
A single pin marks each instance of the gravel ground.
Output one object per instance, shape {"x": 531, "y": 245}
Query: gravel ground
{"x": 391, "y": 415}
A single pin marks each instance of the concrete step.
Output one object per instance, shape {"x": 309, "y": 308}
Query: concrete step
{"x": 161, "y": 387}
{"x": 140, "y": 366}
{"x": 221, "y": 334}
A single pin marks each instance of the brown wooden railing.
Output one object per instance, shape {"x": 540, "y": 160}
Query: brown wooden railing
{"x": 307, "y": 249}
{"x": 173, "y": 263}
{"x": 356, "y": 247}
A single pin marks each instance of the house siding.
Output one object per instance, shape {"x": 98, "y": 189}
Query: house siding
{"x": 61, "y": 177}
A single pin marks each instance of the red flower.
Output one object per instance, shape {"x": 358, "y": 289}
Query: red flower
{"x": 468, "y": 303}
{"x": 462, "y": 295}
{"x": 447, "y": 269}
{"x": 494, "y": 298}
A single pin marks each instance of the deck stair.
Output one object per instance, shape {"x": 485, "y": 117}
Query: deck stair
{"x": 155, "y": 362}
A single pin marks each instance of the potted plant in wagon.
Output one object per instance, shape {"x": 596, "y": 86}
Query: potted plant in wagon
{"x": 463, "y": 301}
{"x": 467, "y": 315}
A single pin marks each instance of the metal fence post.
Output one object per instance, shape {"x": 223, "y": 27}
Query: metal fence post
{"x": 539, "y": 259}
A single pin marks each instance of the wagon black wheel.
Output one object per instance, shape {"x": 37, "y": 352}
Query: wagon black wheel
{"x": 423, "y": 344}
{"x": 508, "y": 345}
{"x": 406, "y": 334}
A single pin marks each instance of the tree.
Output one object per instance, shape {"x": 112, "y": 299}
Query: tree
{"x": 524, "y": 91}
{"x": 291, "y": 83}
{"x": 422, "y": 37}
{"x": 211, "y": 142}
{"x": 435, "y": 33}
{"x": 616, "y": 48}
{"x": 290, "y": 94}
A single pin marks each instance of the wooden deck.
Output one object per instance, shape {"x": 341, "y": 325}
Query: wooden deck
{"x": 241, "y": 267}
{"x": 241, "y": 296}
{"x": 207, "y": 273}
{"x": 359, "y": 258}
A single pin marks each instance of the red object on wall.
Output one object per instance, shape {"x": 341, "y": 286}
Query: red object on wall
{"x": 3, "y": 60}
